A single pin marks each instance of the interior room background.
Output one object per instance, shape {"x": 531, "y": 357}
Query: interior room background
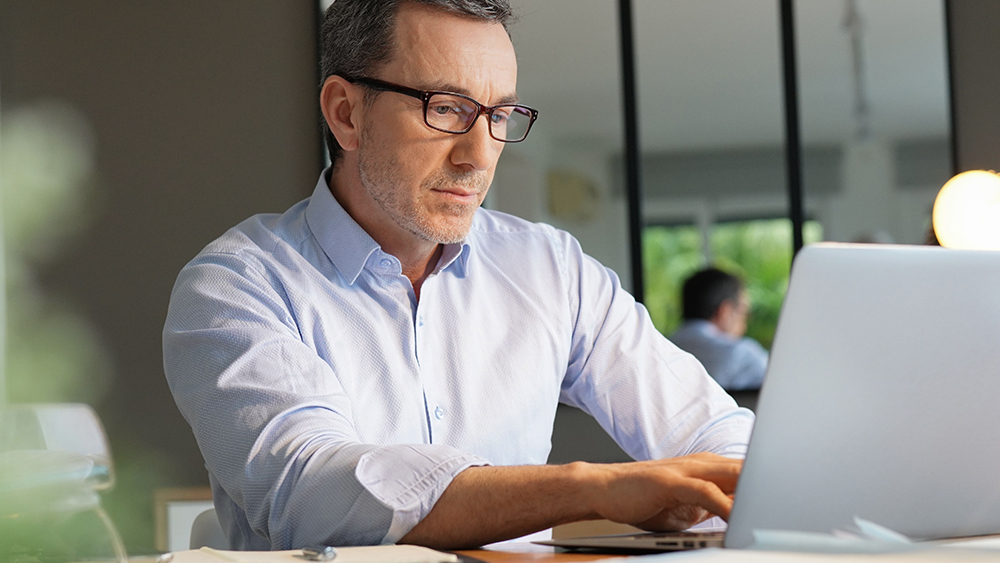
{"x": 134, "y": 133}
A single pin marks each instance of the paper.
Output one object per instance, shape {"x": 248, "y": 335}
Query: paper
{"x": 869, "y": 542}
{"x": 869, "y": 538}
{"x": 366, "y": 554}
{"x": 787, "y": 540}
{"x": 986, "y": 542}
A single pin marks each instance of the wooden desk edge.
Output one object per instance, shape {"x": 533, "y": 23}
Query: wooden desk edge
{"x": 532, "y": 553}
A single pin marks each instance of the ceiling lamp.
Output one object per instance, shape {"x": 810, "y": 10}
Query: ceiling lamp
{"x": 967, "y": 211}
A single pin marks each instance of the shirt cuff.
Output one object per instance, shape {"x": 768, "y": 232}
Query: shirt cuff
{"x": 410, "y": 479}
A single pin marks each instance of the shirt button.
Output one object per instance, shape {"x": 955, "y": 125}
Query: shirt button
{"x": 438, "y": 413}
{"x": 385, "y": 263}
{"x": 420, "y": 320}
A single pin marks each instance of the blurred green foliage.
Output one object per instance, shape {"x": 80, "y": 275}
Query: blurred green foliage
{"x": 47, "y": 180}
{"x": 759, "y": 251}
{"x": 51, "y": 193}
{"x": 55, "y": 538}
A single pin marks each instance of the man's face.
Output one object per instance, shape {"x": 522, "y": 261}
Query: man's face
{"x": 425, "y": 183}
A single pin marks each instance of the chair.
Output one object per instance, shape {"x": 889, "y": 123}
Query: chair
{"x": 206, "y": 531}
{"x": 54, "y": 462}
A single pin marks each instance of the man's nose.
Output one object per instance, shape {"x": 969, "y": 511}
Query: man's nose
{"x": 476, "y": 150}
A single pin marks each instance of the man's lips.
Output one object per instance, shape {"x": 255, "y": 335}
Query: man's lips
{"x": 458, "y": 192}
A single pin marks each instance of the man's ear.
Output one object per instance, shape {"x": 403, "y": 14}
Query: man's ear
{"x": 724, "y": 315}
{"x": 341, "y": 103}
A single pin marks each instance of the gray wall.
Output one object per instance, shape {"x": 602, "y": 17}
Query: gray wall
{"x": 975, "y": 61}
{"x": 204, "y": 113}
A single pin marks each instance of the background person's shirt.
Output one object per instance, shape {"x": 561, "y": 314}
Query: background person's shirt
{"x": 736, "y": 363}
{"x": 333, "y": 408}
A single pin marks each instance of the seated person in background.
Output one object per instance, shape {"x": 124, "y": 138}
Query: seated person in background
{"x": 715, "y": 308}
{"x": 382, "y": 362}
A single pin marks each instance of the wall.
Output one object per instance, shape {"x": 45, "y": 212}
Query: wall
{"x": 202, "y": 113}
{"x": 975, "y": 58}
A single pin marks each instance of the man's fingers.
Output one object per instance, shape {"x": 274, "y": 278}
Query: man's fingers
{"x": 707, "y": 495}
{"x": 665, "y": 493}
{"x": 722, "y": 471}
{"x": 680, "y": 518}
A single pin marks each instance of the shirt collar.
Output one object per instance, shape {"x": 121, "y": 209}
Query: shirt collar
{"x": 346, "y": 244}
{"x": 706, "y": 326}
{"x": 349, "y": 246}
{"x": 457, "y": 254}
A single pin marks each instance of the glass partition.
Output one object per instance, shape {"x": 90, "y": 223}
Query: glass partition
{"x": 712, "y": 140}
{"x": 567, "y": 172}
{"x": 875, "y": 116}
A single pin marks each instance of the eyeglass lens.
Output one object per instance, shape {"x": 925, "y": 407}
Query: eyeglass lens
{"x": 455, "y": 114}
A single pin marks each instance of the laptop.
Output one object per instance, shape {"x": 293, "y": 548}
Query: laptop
{"x": 882, "y": 400}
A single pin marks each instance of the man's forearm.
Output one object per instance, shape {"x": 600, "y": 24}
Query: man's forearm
{"x": 487, "y": 504}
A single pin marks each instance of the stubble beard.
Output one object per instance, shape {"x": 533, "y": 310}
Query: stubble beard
{"x": 379, "y": 171}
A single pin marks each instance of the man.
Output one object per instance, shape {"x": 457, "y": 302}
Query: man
{"x": 382, "y": 363}
{"x": 715, "y": 309}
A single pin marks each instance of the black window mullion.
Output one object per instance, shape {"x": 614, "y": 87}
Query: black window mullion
{"x": 793, "y": 139}
{"x": 633, "y": 171}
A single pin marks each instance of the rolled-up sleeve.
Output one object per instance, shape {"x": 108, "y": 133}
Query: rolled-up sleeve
{"x": 276, "y": 427}
{"x": 654, "y": 399}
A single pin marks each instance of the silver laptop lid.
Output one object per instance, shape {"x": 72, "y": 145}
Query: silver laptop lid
{"x": 882, "y": 397}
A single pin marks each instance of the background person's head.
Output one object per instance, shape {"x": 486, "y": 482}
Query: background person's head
{"x": 358, "y": 37}
{"x": 717, "y": 297}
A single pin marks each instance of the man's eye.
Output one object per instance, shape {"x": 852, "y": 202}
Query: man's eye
{"x": 444, "y": 109}
{"x": 500, "y": 116}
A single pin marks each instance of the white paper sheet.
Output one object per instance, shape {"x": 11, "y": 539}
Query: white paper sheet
{"x": 368, "y": 554}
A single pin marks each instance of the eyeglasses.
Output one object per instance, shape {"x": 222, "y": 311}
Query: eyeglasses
{"x": 449, "y": 112}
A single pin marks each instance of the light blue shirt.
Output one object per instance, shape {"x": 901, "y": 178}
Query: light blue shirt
{"x": 333, "y": 408}
{"x": 736, "y": 363}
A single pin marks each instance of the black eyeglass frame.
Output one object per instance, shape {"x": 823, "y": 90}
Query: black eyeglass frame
{"x": 425, "y": 96}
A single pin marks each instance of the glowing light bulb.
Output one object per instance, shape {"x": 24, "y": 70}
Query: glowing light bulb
{"x": 967, "y": 211}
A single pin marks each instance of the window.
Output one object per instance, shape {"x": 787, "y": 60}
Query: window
{"x": 757, "y": 250}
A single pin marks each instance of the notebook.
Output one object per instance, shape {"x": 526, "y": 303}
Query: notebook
{"x": 881, "y": 400}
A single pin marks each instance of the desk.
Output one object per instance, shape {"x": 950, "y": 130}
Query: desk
{"x": 531, "y": 553}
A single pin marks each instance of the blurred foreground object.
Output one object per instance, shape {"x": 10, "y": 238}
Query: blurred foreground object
{"x": 54, "y": 460}
{"x": 967, "y": 211}
{"x": 50, "y": 192}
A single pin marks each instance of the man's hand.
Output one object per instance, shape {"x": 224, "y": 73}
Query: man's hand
{"x": 667, "y": 494}
{"x": 487, "y": 504}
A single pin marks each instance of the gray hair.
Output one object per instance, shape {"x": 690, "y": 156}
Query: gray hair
{"x": 358, "y": 37}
